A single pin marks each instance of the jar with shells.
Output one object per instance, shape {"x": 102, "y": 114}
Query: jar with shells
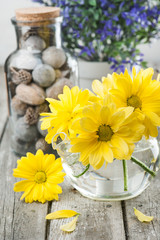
{"x": 38, "y": 69}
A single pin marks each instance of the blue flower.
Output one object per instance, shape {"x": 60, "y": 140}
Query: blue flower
{"x": 111, "y": 27}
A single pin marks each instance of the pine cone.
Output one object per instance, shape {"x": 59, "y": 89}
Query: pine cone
{"x": 21, "y": 76}
{"x": 31, "y": 117}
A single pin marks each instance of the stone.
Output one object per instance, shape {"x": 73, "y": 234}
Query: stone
{"x": 41, "y": 144}
{"x": 57, "y": 88}
{"x": 25, "y": 132}
{"x": 44, "y": 75}
{"x": 42, "y": 132}
{"x": 24, "y": 60}
{"x": 53, "y": 56}
{"x": 20, "y": 147}
{"x": 30, "y": 94}
{"x": 34, "y": 44}
{"x": 18, "y": 106}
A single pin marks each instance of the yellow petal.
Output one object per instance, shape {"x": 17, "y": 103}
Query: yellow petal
{"x": 69, "y": 227}
{"x": 61, "y": 214}
{"x": 141, "y": 217}
{"x": 97, "y": 87}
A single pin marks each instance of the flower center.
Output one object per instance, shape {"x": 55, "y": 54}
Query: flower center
{"x": 40, "y": 177}
{"x": 134, "y": 101}
{"x": 104, "y": 132}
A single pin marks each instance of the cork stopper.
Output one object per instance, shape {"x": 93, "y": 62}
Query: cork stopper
{"x": 36, "y": 14}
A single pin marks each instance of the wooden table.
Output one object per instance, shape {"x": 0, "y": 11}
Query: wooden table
{"x": 98, "y": 220}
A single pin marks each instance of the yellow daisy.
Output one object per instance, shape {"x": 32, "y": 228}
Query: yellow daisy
{"x": 64, "y": 111}
{"x": 42, "y": 174}
{"x": 142, "y": 93}
{"x": 105, "y": 133}
{"x": 103, "y": 87}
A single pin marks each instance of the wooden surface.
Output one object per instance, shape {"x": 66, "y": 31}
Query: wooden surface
{"x": 98, "y": 220}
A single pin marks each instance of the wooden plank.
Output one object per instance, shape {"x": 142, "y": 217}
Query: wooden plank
{"x": 148, "y": 203}
{"x": 18, "y": 220}
{"x": 98, "y": 220}
{"x": 3, "y": 101}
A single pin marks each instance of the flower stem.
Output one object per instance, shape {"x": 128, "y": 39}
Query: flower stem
{"x": 87, "y": 167}
{"x": 125, "y": 175}
{"x": 143, "y": 165}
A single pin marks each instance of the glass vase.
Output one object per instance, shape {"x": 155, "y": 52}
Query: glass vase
{"x": 107, "y": 183}
{"x": 38, "y": 69}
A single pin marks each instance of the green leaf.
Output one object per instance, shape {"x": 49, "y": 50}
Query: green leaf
{"x": 92, "y": 2}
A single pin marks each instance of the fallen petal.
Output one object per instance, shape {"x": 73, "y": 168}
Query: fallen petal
{"x": 141, "y": 217}
{"x": 61, "y": 214}
{"x": 69, "y": 227}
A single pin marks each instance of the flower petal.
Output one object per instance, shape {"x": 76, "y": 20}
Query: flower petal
{"x": 62, "y": 214}
{"x": 141, "y": 217}
{"x": 97, "y": 87}
{"x": 69, "y": 227}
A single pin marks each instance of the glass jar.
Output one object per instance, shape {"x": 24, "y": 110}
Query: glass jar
{"x": 38, "y": 69}
{"x": 107, "y": 183}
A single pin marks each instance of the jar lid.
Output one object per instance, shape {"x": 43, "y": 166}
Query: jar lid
{"x": 37, "y": 13}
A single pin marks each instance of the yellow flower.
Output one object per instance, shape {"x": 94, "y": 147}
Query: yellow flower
{"x": 101, "y": 88}
{"x": 104, "y": 133}
{"x": 143, "y": 94}
{"x": 64, "y": 111}
{"x": 43, "y": 173}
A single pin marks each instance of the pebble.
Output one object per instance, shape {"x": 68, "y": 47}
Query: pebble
{"x": 41, "y": 144}
{"x": 53, "y": 56}
{"x": 42, "y": 132}
{"x": 18, "y": 106}
{"x": 44, "y": 75}
{"x": 20, "y": 147}
{"x": 34, "y": 44}
{"x": 31, "y": 94}
{"x": 57, "y": 88}
{"x": 24, "y": 60}
{"x": 25, "y": 132}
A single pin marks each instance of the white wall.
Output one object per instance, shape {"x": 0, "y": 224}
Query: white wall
{"x": 7, "y": 34}
{"x": 8, "y": 39}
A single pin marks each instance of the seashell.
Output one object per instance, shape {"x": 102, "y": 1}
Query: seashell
{"x": 34, "y": 44}
{"x": 41, "y": 144}
{"x": 57, "y": 88}
{"x": 44, "y": 75}
{"x": 18, "y": 106}
{"x": 42, "y": 132}
{"x": 53, "y": 56}
{"x": 31, "y": 116}
{"x": 24, "y": 60}
{"x": 21, "y": 147}
{"x": 30, "y": 94}
{"x": 21, "y": 76}
{"x": 25, "y": 132}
